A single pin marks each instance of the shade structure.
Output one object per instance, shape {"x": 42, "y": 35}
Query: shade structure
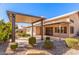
{"x": 24, "y": 18}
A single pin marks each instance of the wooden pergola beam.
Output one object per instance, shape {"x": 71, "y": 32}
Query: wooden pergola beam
{"x": 39, "y": 20}
{"x": 32, "y": 19}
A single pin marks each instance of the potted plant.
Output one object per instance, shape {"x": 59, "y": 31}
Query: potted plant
{"x": 13, "y": 46}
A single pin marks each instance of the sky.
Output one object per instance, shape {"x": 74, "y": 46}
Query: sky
{"x": 48, "y": 10}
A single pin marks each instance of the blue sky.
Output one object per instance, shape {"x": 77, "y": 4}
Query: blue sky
{"x": 47, "y": 10}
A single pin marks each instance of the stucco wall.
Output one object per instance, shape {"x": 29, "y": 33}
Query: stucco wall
{"x": 38, "y": 30}
{"x": 75, "y": 18}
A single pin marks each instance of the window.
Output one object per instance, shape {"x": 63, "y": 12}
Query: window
{"x": 56, "y": 30}
{"x": 71, "y": 29}
{"x": 65, "y": 29}
{"x": 49, "y": 31}
{"x": 61, "y": 30}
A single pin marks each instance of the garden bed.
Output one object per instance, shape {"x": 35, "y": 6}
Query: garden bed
{"x": 72, "y": 43}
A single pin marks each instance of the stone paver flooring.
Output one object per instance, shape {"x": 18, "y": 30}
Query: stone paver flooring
{"x": 3, "y": 48}
{"x": 37, "y": 52}
{"x": 60, "y": 49}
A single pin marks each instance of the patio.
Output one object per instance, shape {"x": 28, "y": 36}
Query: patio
{"x": 24, "y": 49}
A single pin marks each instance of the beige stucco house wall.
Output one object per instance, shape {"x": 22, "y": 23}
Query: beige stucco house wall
{"x": 75, "y": 18}
{"x": 63, "y": 21}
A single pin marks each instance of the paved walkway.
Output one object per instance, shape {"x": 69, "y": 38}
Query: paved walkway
{"x": 3, "y": 48}
{"x": 59, "y": 49}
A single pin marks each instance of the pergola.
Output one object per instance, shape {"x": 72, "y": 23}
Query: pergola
{"x": 24, "y": 18}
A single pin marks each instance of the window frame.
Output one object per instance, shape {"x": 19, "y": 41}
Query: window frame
{"x": 71, "y": 29}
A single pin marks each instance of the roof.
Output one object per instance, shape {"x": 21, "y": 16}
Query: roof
{"x": 65, "y": 15}
{"x": 26, "y": 18}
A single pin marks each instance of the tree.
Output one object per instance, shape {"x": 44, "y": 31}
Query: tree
{"x": 5, "y": 30}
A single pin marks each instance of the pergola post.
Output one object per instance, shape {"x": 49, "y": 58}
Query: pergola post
{"x": 32, "y": 29}
{"x": 13, "y": 27}
{"x": 41, "y": 29}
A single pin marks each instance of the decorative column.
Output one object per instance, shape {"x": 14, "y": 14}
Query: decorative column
{"x": 13, "y": 27}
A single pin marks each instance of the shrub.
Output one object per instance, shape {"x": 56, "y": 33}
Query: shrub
{"x": 47, "y": 38}
{"x": 4, "y": 36}
{"x": 27, "y": 35}
{"x": 5, "y": 30}
{"x": 10, "y": 35}
{"x": 71, "y": 42}
{"x": 19, "y": 34}
{"x": 1, "y": 36}
{"x": 48, "y": 44}
{"x": 13, "y": 46}
{"x": 32, "y": 41}
{"x": 23, "y": 34}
